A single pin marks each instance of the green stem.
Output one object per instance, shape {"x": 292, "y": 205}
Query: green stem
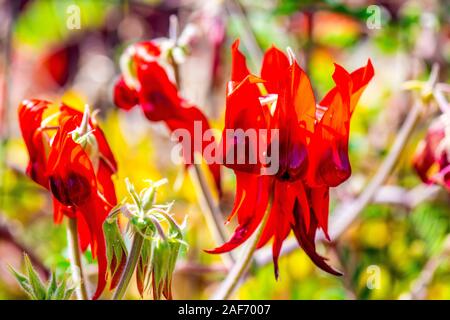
{"x": 233, "y": 278}
{"x": 210, "y": 209}
{"x": 132, "y": 261}
{"x": 75, "y": 259}
{"x": 208, "y": 205}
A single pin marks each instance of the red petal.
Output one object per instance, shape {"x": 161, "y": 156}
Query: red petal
{"x": 192, "y": 119}
{"x": 239, "y": 68}
{"x": 115, "y": 277}
{"x": 59, "y": 211}
{"x": 320, "y": 199}
{"x": 294, "y": 118}
{"x": 329, "y": 145}
{"x": 426, "y": 153}
{"x": 360, "y": 79}
{"x": 147, "y": 49}
{"x": 124, "y": 97}
{"x": 84, "y": 233}
{"x": 158, "y": 96}
{"x": 73, "y": 183}
{"x": 244, "y": 113}
{"x": 61, "y": 63}
{"x": 250, "y": 205}
{"x": 280, "y": 219}
{"x": 30, "y": 118}
{"x": 273, "y": 70}
{"x": 306, "y": 240}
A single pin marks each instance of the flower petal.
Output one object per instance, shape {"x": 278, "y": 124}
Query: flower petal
{"x": 250, "y": 205}
{"x": 306, "y": 240}
{"x": 329, "y": 144}
{"x": 30, "y": 118}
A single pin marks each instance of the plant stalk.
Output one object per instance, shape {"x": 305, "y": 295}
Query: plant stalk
{"x": 132, "y": 261}
{"x": 207, "y": 203}
{"x": 238, "y": 270}
{"x": 75, "y": 260}
{"x": 210, "y": 209}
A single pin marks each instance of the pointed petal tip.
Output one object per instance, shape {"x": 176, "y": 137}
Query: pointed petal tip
{"x": 235, "y": 44}
{"x": 217, "y": 250}
{"x": 370, "y": 67}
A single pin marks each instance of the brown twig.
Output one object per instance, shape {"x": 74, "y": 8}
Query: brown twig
{"x": 235, "y": 9}
{"x": 7, "y": 234}
{"x": 206, "y": 200}
{"x": 211, "y": 211}
{"x": 347, "y": 273}
{"x": 237, "y": 272}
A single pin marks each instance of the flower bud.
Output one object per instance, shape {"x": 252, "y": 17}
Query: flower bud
{"x": 116, "y": 251}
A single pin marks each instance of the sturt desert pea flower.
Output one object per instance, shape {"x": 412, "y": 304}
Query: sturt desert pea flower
{"x": 75, "y": 165}
{"x": 148, "y": 81}
{"x": 312, "y": 146}
{"x": 432, "y": 157}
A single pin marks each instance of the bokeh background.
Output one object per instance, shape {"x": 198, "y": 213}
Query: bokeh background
{"x": 395, "y": 239}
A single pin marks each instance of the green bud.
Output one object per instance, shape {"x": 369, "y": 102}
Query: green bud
{"x": 162, "y": 239}
{"x": 160, "y": 268}
{"x": 132, "y": 192}
{"x": 36, "y": 289}
{"x": 143, "y": 267}
{"x": 116, "y": 251}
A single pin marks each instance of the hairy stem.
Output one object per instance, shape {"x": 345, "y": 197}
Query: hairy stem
{"x": 75, "y": 259}
{"x": 347, "y": 214}
{"x": 7, "y": 233}
{"x": 206, "y": 200}
{"x": 212, "y": 213}
{"x": 233, "y": 278}
{"x": 235, "y": 9}
{"x": 132, "y": 261}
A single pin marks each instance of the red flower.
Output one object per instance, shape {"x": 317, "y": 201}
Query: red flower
{"x": 147, "y": 82}
{"x": 77, "y": 173}
{"x": 432, "y": 159}
{"x": 313, "y": 149}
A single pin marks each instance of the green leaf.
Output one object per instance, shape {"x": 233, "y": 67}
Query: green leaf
{"x": 68, "y": 294}
{"x": 60, "y": 291}
{"x": 36, "y": 289}
{"x": 116, "y": 249}
{"x": 132, "y": 191}
{"x": 52, "y": 287}
{"x": 23, "y": 282}
{"x": 35, "y": 281}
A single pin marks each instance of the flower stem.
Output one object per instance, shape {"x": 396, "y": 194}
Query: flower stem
{"x": 345, "y": 218}
{"x": 206, "y": 200}
{"x": 75, "y": 259}
{"x": 132, "y": 261}
{"x": 236, "y": 11}
{"x": 233, "y": 278}
{"x": 211, "y": 210}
